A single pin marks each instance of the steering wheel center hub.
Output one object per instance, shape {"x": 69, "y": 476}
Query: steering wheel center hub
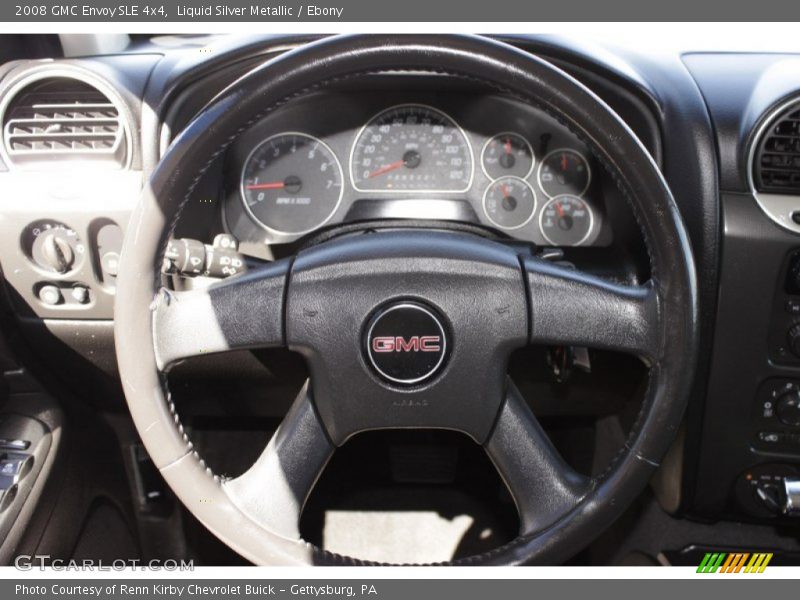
{"x": 406, "y": 342}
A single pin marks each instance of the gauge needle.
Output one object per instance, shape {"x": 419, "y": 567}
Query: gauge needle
{"x": 386, "y": 168}
{"x": 564, "y": 164}
{"x": 508, "y": 146}
{"x": 274, "y": 185}
{"x": 504, "y": 190}
{"x": 559, "y": 209}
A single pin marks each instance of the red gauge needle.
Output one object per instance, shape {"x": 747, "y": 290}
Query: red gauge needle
{"x": 564, "y": 164}
{"x": 504, "y": 190}
{"x": 508, "y": 146}
{"x": 386, "y": 169}
{"x": 559, "y": 209}
{"x": 274, "y": 185}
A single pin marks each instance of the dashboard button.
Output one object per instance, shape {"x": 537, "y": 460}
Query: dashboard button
{"x": 13, "y": 467}
{"x": 225, "y": 241}
{"x": 110, "y": 263}
{"x": 787, "y": 407}
{"x": 793, "y": 307}
{"x": 50, "y": 295}
{"x": 793, "y": 337}
{"x": 770, "y": 437}
{"x": 80, "y": 294}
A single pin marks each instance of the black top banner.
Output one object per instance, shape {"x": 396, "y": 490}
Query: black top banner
{"x": 332, "y": 11}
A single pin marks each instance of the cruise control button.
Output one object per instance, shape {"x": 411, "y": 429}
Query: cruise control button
{"x": 226, "y": 241}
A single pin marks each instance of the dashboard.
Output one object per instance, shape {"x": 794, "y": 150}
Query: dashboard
{"x": 450, "y": 156}
{"x": 407, "y": 147}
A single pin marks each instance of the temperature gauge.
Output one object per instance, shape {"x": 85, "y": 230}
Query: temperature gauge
{"x": 509, "y": 202}
{"x": 566, "y": 221}
{"x": 564, "y": 172}
{"x": 507, "y": 154}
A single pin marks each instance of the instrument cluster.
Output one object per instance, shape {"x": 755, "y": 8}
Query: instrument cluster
{"x": 489, "y": 159}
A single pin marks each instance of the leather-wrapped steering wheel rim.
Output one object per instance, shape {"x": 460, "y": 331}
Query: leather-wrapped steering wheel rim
{"x": 309, "y": 69}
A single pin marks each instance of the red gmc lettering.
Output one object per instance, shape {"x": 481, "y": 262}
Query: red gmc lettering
{"x": 425, "y": 343}
{"x": 429, "y": 343}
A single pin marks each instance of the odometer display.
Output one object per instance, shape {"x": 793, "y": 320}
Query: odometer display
{"x": 291, "y": 183}
{"x": 411, "y": 148}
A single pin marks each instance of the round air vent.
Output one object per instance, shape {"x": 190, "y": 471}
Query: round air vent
{"x": 774, "y": 165}
{"x": 59, "y": 120}
{"x": 777, "y": 159}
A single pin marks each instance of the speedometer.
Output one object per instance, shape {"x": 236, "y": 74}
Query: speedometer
{"x": 411, "y": 148}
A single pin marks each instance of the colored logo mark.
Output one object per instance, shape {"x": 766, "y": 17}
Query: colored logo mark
{"x": 734, "y": 562}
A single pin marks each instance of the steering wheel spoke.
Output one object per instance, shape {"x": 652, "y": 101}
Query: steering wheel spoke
{"x": 543, "y": 485}
{"x": 570, "y": 307}
{"x": 242, "y": 312}
{"x": 274, "y": 489}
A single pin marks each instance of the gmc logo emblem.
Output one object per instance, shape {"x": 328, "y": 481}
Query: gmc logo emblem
{"x": 416, "y": 343}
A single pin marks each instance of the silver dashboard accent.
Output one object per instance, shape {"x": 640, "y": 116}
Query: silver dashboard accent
{"x": 791, "y": 502}
{"x": 66, "y": 71}
{"x": 778, "y": 207}
{"x": 423, "y": 208}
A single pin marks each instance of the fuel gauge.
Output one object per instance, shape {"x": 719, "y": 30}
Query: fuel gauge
{"x": 566, "y": 221}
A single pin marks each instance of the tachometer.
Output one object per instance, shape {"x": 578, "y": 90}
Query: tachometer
{"x": 291, "y": 183}
{"x": 411, "y": 148}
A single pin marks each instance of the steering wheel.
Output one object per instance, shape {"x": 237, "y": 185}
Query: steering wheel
{"x": 406, "y": 329}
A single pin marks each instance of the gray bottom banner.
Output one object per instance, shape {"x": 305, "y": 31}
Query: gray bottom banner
{"x": 396, "y": 589}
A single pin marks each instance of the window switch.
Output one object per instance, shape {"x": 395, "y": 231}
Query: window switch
{"x": 12, "y": 467}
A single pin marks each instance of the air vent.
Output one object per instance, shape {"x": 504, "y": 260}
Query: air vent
{"x": 777, "y": 164}
{"x": 60, "y": 120}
